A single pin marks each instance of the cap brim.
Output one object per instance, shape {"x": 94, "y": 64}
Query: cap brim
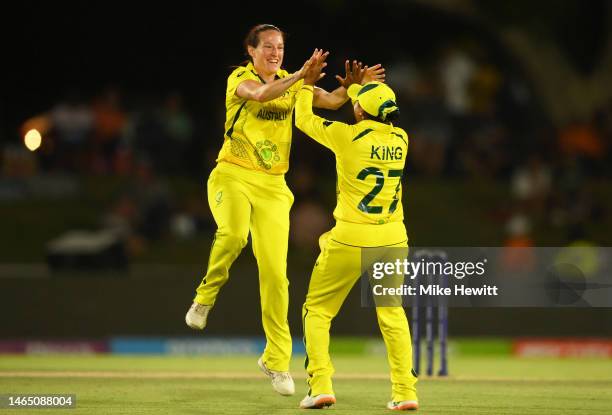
{"x": 353, "y": 91}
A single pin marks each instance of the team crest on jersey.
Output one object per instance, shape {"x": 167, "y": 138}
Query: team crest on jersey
{"x": 219, "y": 197}
{"x": 267, "y": 154}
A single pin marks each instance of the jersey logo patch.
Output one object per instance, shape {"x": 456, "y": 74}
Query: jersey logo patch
{"x": 266, "y": 154}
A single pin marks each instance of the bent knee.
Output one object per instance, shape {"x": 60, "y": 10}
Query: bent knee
{"x": 231, "y": 240}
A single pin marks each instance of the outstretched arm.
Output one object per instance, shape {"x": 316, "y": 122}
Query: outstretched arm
{"x": 330, "y": 134}
{"x": 330, "y": 100}
{"x": 257, "y": 91}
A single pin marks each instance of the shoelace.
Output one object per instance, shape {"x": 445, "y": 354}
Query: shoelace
{"x": 200, "y": 308}
{"x": 281, "y": 376}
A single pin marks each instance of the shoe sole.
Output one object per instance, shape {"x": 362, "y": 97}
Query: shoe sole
{"x": 192, "y": 325}
{"x": 321, "y": 403}
{"x": 406, "y": 407}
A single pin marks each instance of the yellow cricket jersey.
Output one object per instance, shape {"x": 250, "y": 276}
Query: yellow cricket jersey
{"x": 370, "y": 159}
{"x": 258, "y": 134}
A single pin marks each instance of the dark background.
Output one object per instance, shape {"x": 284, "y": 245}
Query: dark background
{"x": 181, "y": 45}
{"x": 531, "y": 106}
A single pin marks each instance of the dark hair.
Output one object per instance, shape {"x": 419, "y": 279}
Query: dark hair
{"x": 252, "y": 38}
{"x": 392, "y": 116}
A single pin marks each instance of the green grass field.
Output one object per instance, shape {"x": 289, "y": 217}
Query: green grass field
{"x": 233, "y": 385}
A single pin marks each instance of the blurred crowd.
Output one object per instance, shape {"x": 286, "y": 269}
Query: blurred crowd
{"x": 107, "y": 135}
{"x": 467, "y": 116}
{"x": 142, "y": 141}
{"x": 471, "y": 117}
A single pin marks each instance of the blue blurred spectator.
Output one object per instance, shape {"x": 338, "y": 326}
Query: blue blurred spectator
{"x": 178, "y": 127}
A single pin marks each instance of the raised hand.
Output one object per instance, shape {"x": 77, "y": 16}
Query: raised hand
{"x": 374, "y": 73}
{"x": 353, "y": 74}
{"x": 314, "y": 66}
{"x": 317, "y": 55}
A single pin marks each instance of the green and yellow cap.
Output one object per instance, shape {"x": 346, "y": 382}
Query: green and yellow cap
{"x": 376, "y": 98}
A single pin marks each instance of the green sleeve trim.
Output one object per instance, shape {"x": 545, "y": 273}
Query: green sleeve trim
{"x": 231, "y": 129}
{"x": 362, "y": 134}
{"x": 400, "y": 136}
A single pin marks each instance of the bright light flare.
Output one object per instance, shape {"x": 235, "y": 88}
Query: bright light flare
{"x": 32, "y": 140}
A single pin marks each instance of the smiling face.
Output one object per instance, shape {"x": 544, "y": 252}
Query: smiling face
{"x": 268, "y": 55}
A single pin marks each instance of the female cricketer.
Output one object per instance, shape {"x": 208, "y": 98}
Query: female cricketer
{"x": 247, "y": 190}
{"x": 370, "y": 158}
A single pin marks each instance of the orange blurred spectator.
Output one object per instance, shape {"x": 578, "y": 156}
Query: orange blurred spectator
{"x": 518, "y": 254}
{"x": 109, "y": 123}
{"x": 582, "y": 139}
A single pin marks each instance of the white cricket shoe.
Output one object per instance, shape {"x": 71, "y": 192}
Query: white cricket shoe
{"x": 282, "y": 382}
{"x": 318, "y": 402}
{"x": 403, "y": 405}
{"x": 197, "y": 315}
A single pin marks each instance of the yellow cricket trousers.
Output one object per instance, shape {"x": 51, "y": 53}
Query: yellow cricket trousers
{"x": 337, "y": 269}
{"x": 244, "y": 200}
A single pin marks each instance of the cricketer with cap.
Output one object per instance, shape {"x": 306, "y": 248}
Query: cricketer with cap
{"x": 370, "y": 158}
